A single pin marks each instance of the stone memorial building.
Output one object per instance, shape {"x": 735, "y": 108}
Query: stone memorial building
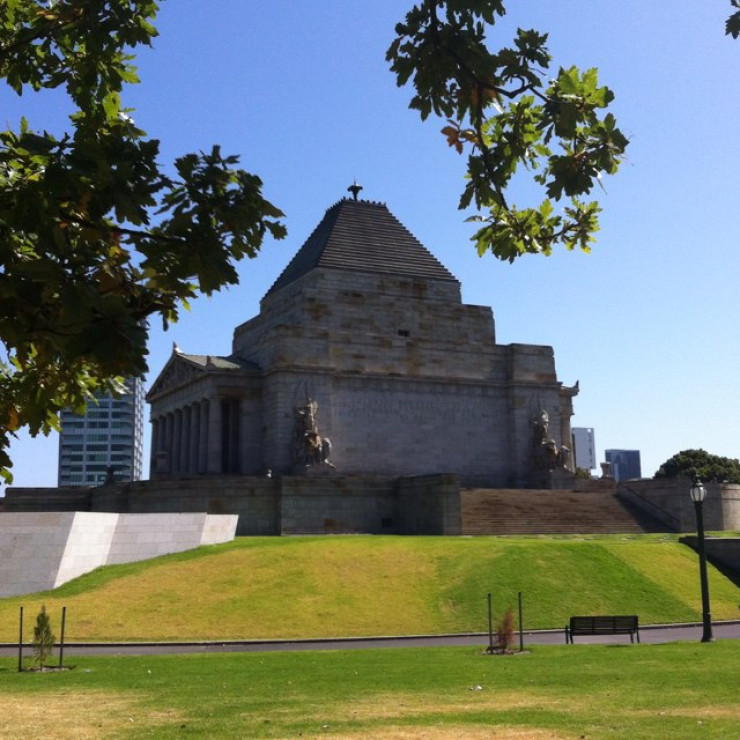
{"x": 367, "y": 397}
{"x": 363, "y": 360}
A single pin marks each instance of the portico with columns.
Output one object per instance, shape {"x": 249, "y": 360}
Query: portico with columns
{"x": 205, "y": 417}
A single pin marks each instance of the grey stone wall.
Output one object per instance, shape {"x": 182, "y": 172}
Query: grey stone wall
{"x": 332, "y": 503}
{"x": 731, "y": 506}
{"x": 254, "y": 499}
{"x": 74, "y": 498}
{"x": 306, "y": 504}
{"x": 668, "y": 500}
{"x": 429, "y": 505}
{"x": 337, "y": 505}
{"x": 409, "y": 381}
{"x": 339, "y": 300}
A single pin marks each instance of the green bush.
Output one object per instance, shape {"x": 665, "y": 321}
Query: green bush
{"x": 43, "y": 638}
{"x": 701, "y": 464}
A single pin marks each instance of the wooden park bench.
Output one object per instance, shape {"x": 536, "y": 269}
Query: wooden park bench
{"x": 615, "y": 625}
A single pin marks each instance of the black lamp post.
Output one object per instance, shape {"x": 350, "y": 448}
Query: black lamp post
{"x": 697, "y": 493}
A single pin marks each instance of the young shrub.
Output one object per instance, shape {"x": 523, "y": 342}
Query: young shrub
{"x": 505, "y": 632}
{"x": 43, "y": 638}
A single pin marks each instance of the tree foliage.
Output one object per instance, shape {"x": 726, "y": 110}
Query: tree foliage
{"x": 700, "y": 464}
{"x": 508, "y": 111}
{"x": 732, "y": 26}
{"x": 505, "y": 632}
{"x": 95, "y": 236}
{"x": 43, "y": 638}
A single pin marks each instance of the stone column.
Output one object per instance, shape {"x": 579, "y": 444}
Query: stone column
{"x": 214, "y": 436}
{"x": 162, "y": 436}
{"x": 187, "y": 420}
{"x": 177, "y": 441}
{"x": 154, "y": 448}
{"x": 230, "y": 425}
{"x": 203, "y": 444}
{"x": 193, "y": 462}
{"x": 169, "y": 436}
{"x": 236, "y": 440}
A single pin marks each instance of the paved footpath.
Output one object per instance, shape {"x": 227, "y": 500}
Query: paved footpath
{"x": 652, "y": 634}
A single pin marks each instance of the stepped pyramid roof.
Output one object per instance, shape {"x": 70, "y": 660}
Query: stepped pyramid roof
{"x": 363, "y": 236}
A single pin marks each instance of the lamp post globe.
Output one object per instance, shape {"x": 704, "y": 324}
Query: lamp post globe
{"x": 697, "y": 492}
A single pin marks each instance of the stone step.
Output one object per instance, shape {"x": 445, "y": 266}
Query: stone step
{"x": 517, "y": 511}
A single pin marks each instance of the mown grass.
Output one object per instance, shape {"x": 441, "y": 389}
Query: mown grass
{"x": 620, "y": 692}
{"x": 364, "y": 585}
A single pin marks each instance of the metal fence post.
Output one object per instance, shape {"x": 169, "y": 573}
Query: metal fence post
{"x": 490, "y": 626}
{"x": 20, "y": 643}
{"x": 61, "y": 639}
{"x": 521, "y": 627}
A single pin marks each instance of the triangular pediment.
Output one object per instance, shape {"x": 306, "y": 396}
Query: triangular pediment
{"x": 182, "y": 369}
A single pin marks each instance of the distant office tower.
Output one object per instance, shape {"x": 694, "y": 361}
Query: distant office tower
{"x": 584, "y": 448}
{"x": 108, "y": 436}
{"x": 625, "y": 463}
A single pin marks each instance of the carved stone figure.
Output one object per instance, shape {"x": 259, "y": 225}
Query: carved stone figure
{"x": 541, "y": 424}
{"x": 309, "y": 447}
{"x": 546, "y": 455}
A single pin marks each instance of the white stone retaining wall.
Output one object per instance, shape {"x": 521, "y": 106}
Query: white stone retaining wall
{"x": 42, "y": 550}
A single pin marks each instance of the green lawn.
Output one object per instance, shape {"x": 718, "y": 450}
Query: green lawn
{"x": 619, "y": 692}
{"x": 348, "y": 586}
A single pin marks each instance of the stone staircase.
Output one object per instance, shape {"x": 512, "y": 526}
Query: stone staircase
{"x": 522, "y": 511}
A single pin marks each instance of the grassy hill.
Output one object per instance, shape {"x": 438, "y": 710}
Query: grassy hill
{"x": 364, "y": 585}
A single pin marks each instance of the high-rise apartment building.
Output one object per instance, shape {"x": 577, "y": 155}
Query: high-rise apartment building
{"x": 625, "y": 464}
{"x": 108, "y": 437}
{"x": 584, "y": 448}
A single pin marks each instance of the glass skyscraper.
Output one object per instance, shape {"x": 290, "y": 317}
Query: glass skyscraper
{"x": 107, "y": 437}
{"x": 584, "y": 448}
{"x": 625, "y": 463}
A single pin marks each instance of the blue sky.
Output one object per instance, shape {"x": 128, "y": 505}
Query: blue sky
{"x": 300, "y": 91}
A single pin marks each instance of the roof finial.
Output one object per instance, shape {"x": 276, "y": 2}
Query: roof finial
{"x": 355, "y": 189}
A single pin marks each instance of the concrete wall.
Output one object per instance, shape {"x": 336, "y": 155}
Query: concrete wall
{"x": 88, "y": 545}
{"x": 33, "y": 547}
{"x": 723, "y": 551}
{"x": 143, "y": 536}
{"x": 42, "y": 550}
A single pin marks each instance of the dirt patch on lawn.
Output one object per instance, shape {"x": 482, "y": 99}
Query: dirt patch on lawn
{"x": 717, "y": 712}
{"x": 75, "y": 716}
{"x": 472, "y": 699}
{"x": 425, "y": 708}
{"x": 460, "y": 732}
